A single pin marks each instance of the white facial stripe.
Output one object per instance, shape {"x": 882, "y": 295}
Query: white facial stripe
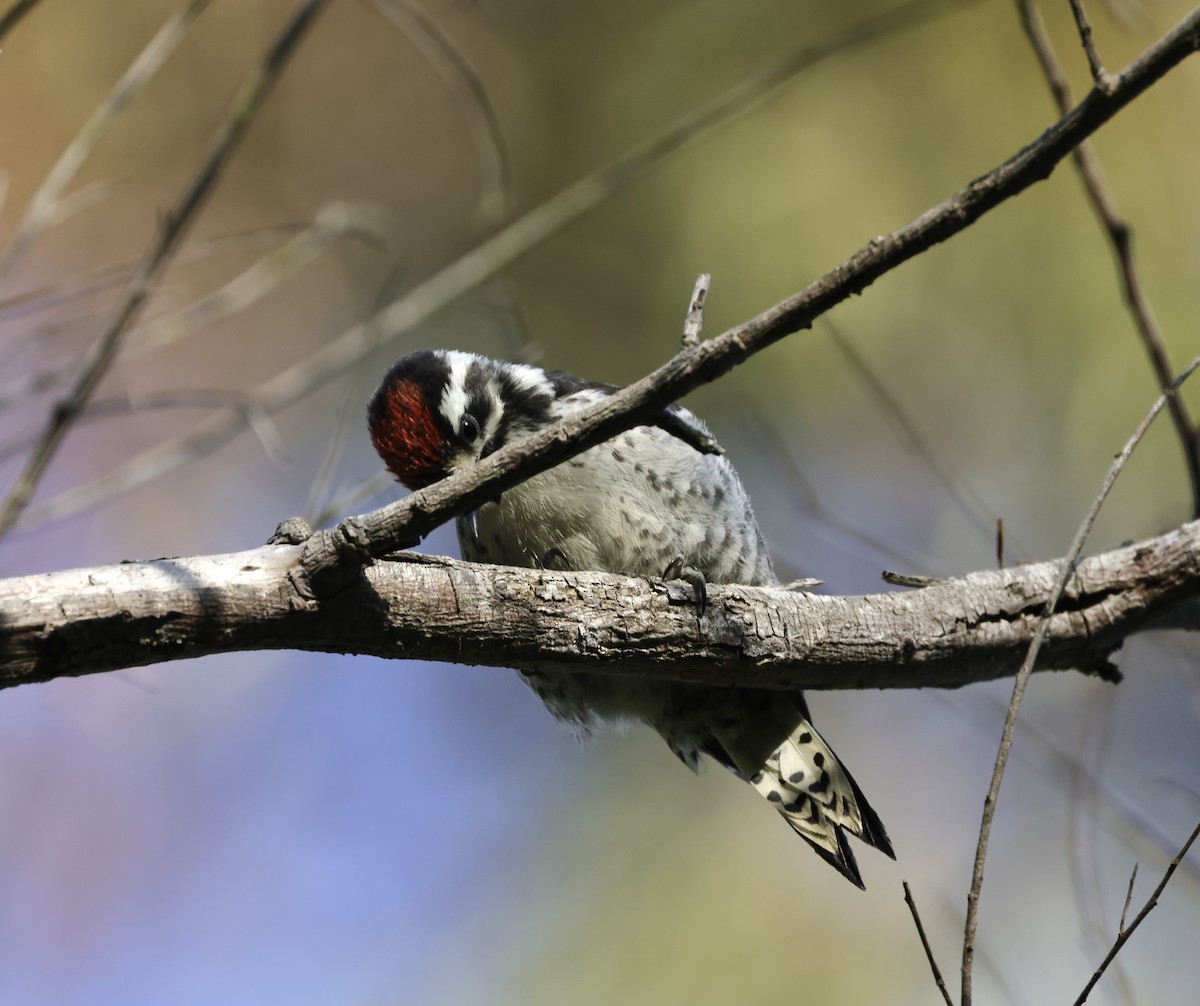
{"x": 493, "y": 420}
{"x": 529, "y": 378}
{"x": 454, "y": 398}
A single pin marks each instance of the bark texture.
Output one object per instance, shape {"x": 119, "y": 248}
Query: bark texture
{"x": 953, "y": 633}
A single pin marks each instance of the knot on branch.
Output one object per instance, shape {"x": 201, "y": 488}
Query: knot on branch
{"x": 332, "y": 559}
{"x": 293, "y": 531}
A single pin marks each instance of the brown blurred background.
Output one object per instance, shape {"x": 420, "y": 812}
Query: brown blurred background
{"x": 316, "y": 829}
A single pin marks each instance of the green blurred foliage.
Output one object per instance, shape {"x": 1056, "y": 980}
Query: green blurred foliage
{"x": 1008, "y": 348}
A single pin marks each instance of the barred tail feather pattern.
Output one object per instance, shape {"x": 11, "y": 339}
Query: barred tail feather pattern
{"x": 807, "y": 784}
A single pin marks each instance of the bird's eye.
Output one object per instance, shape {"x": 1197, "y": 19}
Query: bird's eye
{"x": 468, "y": 429}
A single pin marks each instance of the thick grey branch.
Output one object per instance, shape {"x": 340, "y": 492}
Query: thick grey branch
{"x": 954, "y": 633}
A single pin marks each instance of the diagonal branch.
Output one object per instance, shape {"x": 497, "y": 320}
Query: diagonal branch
{"x": 1040, "y": 634}
{"x": 486, "y": 260}
{"x": 103, "y": 351}
{"x": 1118, "y": 231}
{"x": 1126, "y": 932}
{"x": 12, "y": 17}
{"x": 41, "y": 211}
{"x": 331, "y": 557}
{"x": 938, "y": 980}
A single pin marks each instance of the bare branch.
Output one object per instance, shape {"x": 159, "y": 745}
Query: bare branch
{"x": 1128, "y": 900}
{"x": 439, "y": 48}
{"x": 41, "y": 208}
{"x": 958, "y": 632}
{"x": 64, "y": 291}
{"x": 246, "y": 104}
{"x": 937, "y": 974}
{"x": 307, "y": 241}
{"x": 1124, "y": 934}
{"x": 1099, "y": 75}
{"x": 1120, "y": 238}
{"x": 10, "y": 18}
{"x": 344, "y": 352}
{"x": 968, "y": 501}
{"x": 332, "y": 222}
{"x": 693, "y": 322}
{"x": 1023, "y": 675}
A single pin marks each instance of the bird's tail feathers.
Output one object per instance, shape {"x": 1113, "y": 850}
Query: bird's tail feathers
{"x": 813, "y": 791}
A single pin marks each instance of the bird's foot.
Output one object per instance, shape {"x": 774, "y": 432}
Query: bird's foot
{"x": 677, "y": 569}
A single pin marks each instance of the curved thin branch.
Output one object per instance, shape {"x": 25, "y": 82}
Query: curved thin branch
{"x": 103, "y": 351}
{"x": 452, "y": 63}
{"x": 41, "y": 211}
{"x": 1116, "y": 229}
{"x": 1027, "y": 666}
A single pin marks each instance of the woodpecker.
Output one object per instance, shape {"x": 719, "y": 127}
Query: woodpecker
{"x": 644, "y": 503}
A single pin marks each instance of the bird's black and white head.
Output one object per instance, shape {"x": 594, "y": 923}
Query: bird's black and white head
{"x": 437, "y": 411}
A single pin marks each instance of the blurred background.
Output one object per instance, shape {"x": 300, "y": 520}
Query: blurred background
{"x": 314, "y": 829}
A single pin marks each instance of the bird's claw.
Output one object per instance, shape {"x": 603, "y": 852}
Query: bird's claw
{"x": 678, "y": 570}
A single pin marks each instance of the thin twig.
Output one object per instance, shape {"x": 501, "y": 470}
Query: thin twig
{"x": 1120, "y": 237}
{"x": 1022, "y": 679}
{"x": 348, "y": 406}
{"x": 693, "y": 322}
{"x": 937, "y": 974}
{"x": 1124, "y": 934}
{"x": 1099, "y": 74}
{"x": 442, "y": 52}
{"x": 344, "y": 352}
{"x": 909, "y": 579}
{"x": 246, "y": 104}
{"x": 1128, "y": 899}
{"x": 332, "y": 222}
{"x": 105, "y": 408}
{"x": 9, "y": 19}
{"x": 1059, "y": 767}
{"x": 1085, "y": 794}
{"x": 346, "y": 501}
{"x": 51, "y": 295}
{"x": 780, "y": 448}
{"x": 207, "y": 310}
{"x": 42, "y": 207}
{"x": 972, "y": 505}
